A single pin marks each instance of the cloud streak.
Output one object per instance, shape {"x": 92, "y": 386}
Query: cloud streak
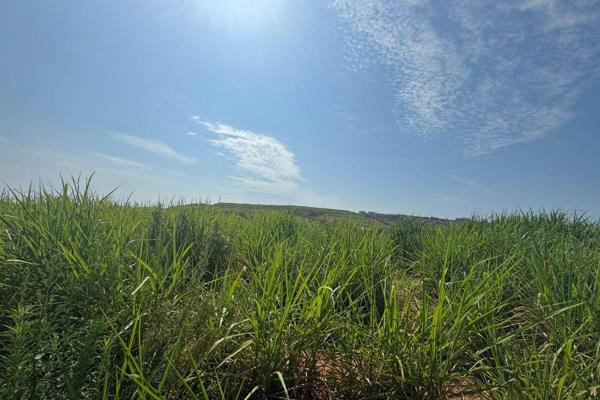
{"x": 153, "y": 146}
{"x": 119, "y": 160}
{"x": 270, "y": 166}
{"x": 489, "y": 73}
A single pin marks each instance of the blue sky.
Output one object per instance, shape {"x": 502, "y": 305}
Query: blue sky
{"x": 441, "y": 108}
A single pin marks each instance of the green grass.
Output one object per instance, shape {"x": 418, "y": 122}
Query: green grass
{"x": 329, "y": 215}
{"x": 325, "y": 215}
{"x": 118, "y": 301}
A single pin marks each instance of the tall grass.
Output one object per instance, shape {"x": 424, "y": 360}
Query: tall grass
{"x": 116, "y": 301}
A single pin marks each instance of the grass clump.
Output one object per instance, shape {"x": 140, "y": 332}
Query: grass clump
{"x": 108, "y": 300}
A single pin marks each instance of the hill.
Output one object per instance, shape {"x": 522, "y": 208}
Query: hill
{"x": 362, "y": 218}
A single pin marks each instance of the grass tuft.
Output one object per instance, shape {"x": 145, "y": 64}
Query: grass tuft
{"x": 108, "y": 300}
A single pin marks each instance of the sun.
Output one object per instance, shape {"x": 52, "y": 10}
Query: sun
{"x": 242, "y": 15}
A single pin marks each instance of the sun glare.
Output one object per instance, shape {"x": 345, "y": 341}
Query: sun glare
{"x": 242, "y": 15}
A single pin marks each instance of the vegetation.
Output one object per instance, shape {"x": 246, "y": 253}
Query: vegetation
{"x": 368, "y": 219}
{"x": 118, "y": 301}
{"x": 325, "y": 215}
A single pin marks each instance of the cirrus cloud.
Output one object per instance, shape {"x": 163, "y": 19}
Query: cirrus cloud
{"x": 489, "y": 73}
{"x": 153, "y": 146}
{"x": 270, "y": 165}
{"x": 120, "y": 160}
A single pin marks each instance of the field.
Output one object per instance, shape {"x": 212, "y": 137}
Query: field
{"x": 324, "y": 215}
{"x": 110, "y": 300}
{"x": 328, "y": 215}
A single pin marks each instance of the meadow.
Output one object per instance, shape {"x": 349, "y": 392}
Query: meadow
{"x": 111, "y": 300}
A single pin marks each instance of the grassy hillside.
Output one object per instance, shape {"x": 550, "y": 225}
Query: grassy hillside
{"x": 326, "y": 215}
{"x": 105, "y": 300}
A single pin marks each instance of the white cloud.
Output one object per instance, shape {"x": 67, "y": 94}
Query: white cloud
{"x": 120, "y": 160}
{"x": 153, "y": 146}
{"x": 491, "y": 73}
{"x": 271, "y": 166}
{"x": 17, "y": 170}
{"x": 563, "y": 14}
{"x": 267, "y": 186}
{"x": 192, "y": 133}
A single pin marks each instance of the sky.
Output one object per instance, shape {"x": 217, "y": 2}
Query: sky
{"x": 435, "y": 108}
